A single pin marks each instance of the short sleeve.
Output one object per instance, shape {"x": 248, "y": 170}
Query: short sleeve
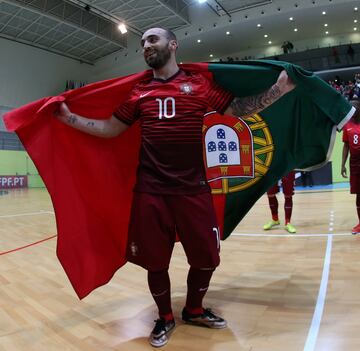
{"x": 127, "y": 112}
{"x": 219, "y": 99}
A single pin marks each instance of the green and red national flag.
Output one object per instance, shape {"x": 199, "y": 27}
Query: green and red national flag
{"x": 90, "y": 179}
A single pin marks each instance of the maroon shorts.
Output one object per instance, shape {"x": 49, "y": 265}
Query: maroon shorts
{"x": 354, "y": 183}
{"x": 155, "y": 221}
{"x": 287, "y": 184}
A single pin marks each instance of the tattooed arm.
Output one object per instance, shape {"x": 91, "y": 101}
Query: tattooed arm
{"x": 253, "y": 104}
{"x": 107, "y": 128}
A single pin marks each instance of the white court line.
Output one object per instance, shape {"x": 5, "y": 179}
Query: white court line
{"x": 27, "y": 214}
{"x": 320, "y": 302}
{"x": 291, "y": 235}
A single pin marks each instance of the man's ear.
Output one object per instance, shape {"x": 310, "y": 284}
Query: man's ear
{"x": 173, "y": 44}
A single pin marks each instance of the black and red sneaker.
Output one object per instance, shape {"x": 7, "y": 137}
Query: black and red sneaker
{"x": 161, "y": 332}
{"x": 206, "y": 319}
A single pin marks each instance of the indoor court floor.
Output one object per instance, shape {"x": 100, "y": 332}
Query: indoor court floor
{"x": 278, "y": 292}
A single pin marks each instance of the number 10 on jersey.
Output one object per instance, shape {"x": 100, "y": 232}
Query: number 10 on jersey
{"x": 166, "y": 107}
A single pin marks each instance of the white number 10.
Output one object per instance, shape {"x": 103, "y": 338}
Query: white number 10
{"x": 166, "y": 109}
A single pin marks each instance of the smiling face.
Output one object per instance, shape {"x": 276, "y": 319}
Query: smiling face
{"x": 157, "y": 47}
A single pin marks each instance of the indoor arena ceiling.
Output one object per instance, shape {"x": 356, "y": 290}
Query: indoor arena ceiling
{"x": 86, "y": 30}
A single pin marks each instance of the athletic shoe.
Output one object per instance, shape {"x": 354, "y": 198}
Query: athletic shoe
{"x": 205, "y": 319}
{"x": 161, "y": 332}
{"x": 356, "y": 230}
{"x": 271, "y": 224}
{"x": 290, "y": 228}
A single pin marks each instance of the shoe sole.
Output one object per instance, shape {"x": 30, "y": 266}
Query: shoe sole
{"x": 204, "y": 325}
{"x": 168, "y": 334}
{"x": 275, "y": 225}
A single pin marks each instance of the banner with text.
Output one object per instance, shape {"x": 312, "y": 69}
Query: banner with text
{"x": 13, "y": 182}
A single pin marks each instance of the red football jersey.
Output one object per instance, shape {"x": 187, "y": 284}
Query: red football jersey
{"x": 351, "y": 135}
{"x": 171, "y": 113}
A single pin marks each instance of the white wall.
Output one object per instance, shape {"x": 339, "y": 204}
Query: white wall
{"x": 27, "y": 73}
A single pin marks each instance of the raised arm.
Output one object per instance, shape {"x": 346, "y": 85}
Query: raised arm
{"x": 253, "y": 104}
{"x": 345, "y": 153}
{"x": 107, "y": 128}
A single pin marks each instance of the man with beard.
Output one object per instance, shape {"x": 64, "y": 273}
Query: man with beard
{"x": 171, "y": 195}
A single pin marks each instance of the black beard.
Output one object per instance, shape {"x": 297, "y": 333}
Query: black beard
{"x": 159, "y": 59}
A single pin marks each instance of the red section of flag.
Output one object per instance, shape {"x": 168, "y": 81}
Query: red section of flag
{"x": 90, "y": 179}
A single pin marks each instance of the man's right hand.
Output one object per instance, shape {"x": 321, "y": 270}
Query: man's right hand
{"x": 343, "y": 171}
{"x": 63, "y": 113}
{"x": 105, "y": 128}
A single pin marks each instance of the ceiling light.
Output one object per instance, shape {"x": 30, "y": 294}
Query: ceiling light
{"x": 258, "y": 25}
{"x": 122, "y": 28}
{"x": 291, "y": 18}
{"x": 355, "y": 21}
{"x": 211, "y": 55}
{"x": 199, "y": 40}
{"x": 227, "y": 33}
{"x": 265, "y": 35}
{"x": 325, "y": 25}
{"x": 324, "y": 13}
{"x": 326, "y": 32}
{"x": 355, "y": 8}
{"x": 201, "y": 1}
{"x": 295, "y": 29}
{"x": 355, "y": 28}
{"x": 270, "y": 42}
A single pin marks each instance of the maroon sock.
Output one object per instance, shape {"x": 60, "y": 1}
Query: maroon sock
{"x": 358, "y": 205}
{"x": 159, "y": 285}
{"x": 274, "y": 205}
{"x": 198, "y": 282}
{"x": 288, "y": 206}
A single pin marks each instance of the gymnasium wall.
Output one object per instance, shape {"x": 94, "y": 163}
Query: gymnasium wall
{"x": 28, "y": 74}
{"x": 19, "y": 163}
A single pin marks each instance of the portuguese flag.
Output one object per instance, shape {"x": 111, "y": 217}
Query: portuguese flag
{"x": 90, "y": 179}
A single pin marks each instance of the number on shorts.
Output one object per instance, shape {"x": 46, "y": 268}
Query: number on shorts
{"x": 216, "y": 230}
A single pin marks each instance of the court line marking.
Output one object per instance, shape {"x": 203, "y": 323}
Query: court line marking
{"x": 27, "y": 214}
{"x": 291, "y": 235}
{"x": 320, "y": 303}
{"x": 25, "y": 246}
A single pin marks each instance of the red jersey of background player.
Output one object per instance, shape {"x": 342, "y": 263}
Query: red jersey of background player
{"x": 171, "y": 117}
{"x": 351, "y": 135}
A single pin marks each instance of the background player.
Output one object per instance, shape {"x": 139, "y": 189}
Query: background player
{"x": 287, "y": 184}
{"x": 351, "y": 139}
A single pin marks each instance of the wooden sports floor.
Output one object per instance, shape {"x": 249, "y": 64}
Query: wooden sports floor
{"x": 279, "y": 292}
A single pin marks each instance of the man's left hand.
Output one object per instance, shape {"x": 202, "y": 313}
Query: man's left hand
{"x": 285, "y": 83}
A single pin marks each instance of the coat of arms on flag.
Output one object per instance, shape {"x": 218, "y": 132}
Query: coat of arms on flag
{"x": 237, "y": 152}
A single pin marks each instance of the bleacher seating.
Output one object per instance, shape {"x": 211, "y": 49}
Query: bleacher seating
{"x": 10, "y": 141}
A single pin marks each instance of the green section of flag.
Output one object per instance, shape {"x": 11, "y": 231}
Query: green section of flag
{"x": 301, "y": 125}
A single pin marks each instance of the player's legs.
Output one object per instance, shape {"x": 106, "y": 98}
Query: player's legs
{"x": 356, "y": 229}
{"x": 288, "y": 190}
{"x": 274, "y": 208}
{"x": 199, "y": 234}
{"x": 150, "y": 244}
{"x": 355, "y": 189}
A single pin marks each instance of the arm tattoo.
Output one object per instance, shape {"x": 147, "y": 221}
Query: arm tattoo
{"x": 72, "y": 119}
{"x": 253, "y": 104}
{"x": 90, "y": 124}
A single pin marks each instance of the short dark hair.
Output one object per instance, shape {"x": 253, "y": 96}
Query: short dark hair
{"x": 170, "y": 34}
{"x": 356, "y": 104}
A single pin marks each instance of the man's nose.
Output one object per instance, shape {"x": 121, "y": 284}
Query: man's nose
{"x": 146, "y": 45}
